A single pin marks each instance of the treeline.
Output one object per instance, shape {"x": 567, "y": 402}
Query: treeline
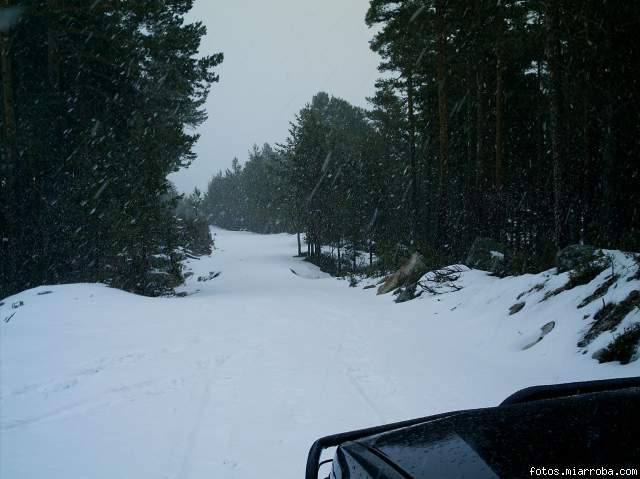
{"x": 513, "y": 120}
{"x": 320, "y": 182}
{"x": 98, "y": 100}
{"x": 253, "y": 197}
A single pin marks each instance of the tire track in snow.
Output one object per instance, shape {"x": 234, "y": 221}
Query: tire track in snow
{"x": 378, "y": 391}
{"x": 367, "y": 399}
{"x": 185, "y": 464}
{"x": 356, "y": 356}
{"x": 191, "y": 443}
{"x": 106, "y": 398}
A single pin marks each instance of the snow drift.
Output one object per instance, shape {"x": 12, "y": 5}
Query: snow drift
{"x": 240, "y": 376}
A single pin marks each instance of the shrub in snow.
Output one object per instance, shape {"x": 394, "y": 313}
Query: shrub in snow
{"x": 600, "y": 291}
{"x": 488, "y": 255}
{"x": 637, "y": 275}
{"x": 581, "y": 258}
{"x": 610, "y": 316}
{"x": 623, "y": 348}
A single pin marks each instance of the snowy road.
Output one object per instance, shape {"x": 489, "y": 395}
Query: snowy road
{"x": 238, "y": 379}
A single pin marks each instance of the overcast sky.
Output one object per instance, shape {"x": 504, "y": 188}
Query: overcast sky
{"x": 277, "y": 55}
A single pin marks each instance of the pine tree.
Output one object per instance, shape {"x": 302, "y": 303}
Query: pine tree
{"x": 106, "y": 90}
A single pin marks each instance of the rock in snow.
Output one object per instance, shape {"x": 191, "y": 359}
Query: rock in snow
{"x": 410, "y": 272}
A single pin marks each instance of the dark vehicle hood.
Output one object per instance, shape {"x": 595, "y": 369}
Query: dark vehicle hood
{"x": 586, "y": 431}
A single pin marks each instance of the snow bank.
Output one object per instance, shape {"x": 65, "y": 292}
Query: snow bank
{"x": 240, "y": 376}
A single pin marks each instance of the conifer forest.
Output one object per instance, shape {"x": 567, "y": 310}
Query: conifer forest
{"x": 330, "y": 239}
{"x": 515, "y": 121}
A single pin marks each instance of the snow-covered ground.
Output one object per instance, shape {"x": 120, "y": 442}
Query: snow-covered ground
{"x": 237, "y": 379}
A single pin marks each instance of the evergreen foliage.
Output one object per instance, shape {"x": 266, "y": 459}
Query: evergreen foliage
{"x": 252, "y": 197}
{"x": 99, "y": 102}
{"x": 510, "y": 120}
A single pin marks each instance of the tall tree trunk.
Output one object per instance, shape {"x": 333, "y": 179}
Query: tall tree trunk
{"x": 540, "y": 117}
{"x": 412, "y": 155}
{"x": 588, "y": 184}
{"x": 500, "y": 209}
{"x": 299, "y": 245}
{"x": 588, "y": 197}
{"x": 9, "y": 119}
{"x": 537, "y": 172}
{"x": 443, "y": 114}
{"x": 480, "y": 148}
{"x": 499, "y": 166}
{"x": 7, "y": 237}
{"x": 354, "y": 258}
{"x": 610, "y": 230}
{"x": 53, "y": 45}
{"x": 553, "y": 59}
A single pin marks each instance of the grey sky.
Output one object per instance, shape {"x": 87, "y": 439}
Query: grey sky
{"x": 278, "y": 54}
